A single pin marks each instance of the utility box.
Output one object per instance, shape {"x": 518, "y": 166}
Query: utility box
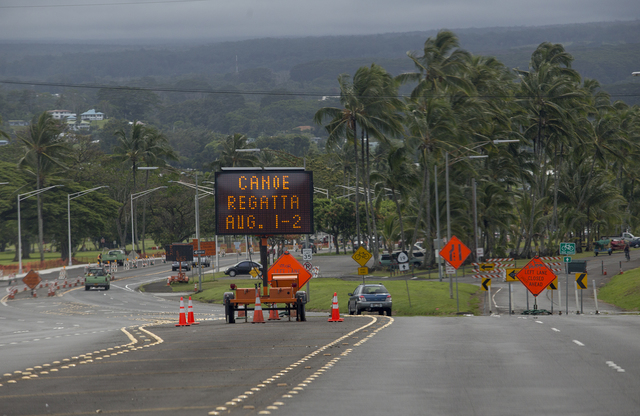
{"x": 578, "y": 266}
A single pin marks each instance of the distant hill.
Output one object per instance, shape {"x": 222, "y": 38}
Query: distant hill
{"x": 605, "y": 51}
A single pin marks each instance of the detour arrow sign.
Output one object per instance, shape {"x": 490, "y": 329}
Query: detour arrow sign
{"x": 581, "y": 280}
{"x": 535, "y": 276}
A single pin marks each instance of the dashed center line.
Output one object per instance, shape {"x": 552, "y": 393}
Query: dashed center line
{"x": 575, "y": 341}
{"x": 555, "y": 329}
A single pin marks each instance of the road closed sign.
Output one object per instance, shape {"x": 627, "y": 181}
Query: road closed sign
{"x": 535, "y": 276}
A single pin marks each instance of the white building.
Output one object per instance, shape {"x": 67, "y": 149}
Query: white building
{"x": 61, "y": 114}
{"x": 92, "y": 115}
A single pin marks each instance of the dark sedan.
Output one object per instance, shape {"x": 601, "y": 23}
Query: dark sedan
{"x": 370, "y": 297}
{"x": 244, "y": 267}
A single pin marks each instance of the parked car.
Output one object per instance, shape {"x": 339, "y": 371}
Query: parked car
{"x": 244, "y": 267}
{"x": 635, "y": 242}
{"x": 370, "y": 297}
{"x": 184, "y": 265}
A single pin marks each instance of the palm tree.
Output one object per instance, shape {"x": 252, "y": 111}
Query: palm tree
{"x": 396, "y": 179}
{"x": 229, "y": 155}
{"x": 370, "y": 102}
{"x": 44, "y": 151}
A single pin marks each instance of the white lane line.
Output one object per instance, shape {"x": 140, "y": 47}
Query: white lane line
{"x": 555, "y": 329}
{"x": 575, "y": 341}
{"x": 538, "y": 322}
{"x": 615, "y": 366}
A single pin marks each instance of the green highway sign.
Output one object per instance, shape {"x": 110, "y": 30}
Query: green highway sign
{"x": 567, "y": 249}
{"x": 567, "y": 259}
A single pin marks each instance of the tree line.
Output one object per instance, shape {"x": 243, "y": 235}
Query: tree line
{"x": 551, "y": 155}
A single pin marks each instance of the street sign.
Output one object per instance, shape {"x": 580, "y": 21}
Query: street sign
{"x": 307, "y": 254}
{"x": 308, "y": 266}
{"x": 480, "y": 252}
{"x": 403, "y": 267}
{"x": 486, "y": 267}
{"x": 511, "y": 275}
{"x": 402, "y": 257}
{"x": 486, "y": 282}
{"x": 581, "y": 280}
{"x": 553, "y": 285}
{"x": 316, "y": 271}
{"x": 363, "y": 271}
{"x": 450, "y": 269}
{"x": 32, "y": 279}
{"x": 361, "y": 256}
{"x": 567, "y": 259}
{"x": 535, "y": 276}
{"x": 287, "y": 264}
{"x": 567, "y": 249}
{"x": 201, "y": 252}
{"x": 254, "y": 272}
{"x": 455, "y": 252}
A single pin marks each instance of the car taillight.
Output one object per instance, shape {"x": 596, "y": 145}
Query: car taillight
{"x": 362, "y": 299}
{"x": 388, "y": 298}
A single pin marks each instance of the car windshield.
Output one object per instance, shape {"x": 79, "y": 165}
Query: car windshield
{"x": 370, "y": 290}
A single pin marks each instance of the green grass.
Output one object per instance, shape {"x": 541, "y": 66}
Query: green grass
{"x": 427, "y": 297}
{"x": 623, "y": 291}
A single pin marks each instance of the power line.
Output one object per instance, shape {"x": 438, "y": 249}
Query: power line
{"x": 120, "y": 3}
{"x": 257, "y": 92}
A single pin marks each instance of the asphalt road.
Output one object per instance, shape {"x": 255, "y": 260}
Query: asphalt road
{"x": 118, "y": 352}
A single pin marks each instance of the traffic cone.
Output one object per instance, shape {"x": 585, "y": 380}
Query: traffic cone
{"x": 257, "y": 312}
{"x": 273, "y": 314}
{"x": 190, "y": 317}
{"x": 183, "y": 318}
{"x": 335, "y": 312}
{"x": 605, "y": 270}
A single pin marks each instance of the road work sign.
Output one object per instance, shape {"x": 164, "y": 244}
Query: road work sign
{"x": 535, "y": 276}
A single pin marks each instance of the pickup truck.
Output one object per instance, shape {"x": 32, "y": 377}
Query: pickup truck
{"x": 115, "y": 255}
{"x": 97, "y": 277}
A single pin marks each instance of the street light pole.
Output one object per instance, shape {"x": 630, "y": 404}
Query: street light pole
{"x": 69, "y": 198}
{"x": 22, "y": 197}
{"x": 136, "y": 196}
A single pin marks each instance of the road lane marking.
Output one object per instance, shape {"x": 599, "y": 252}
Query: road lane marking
{"x": 555, "y": 329}
{"x": 575, "y": 341}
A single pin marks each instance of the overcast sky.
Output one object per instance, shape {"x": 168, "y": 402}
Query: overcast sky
{"x": 77, "y": 20}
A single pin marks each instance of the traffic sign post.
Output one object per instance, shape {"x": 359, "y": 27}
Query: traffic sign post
{"x": 510, "y": 276}
{"x": 581, "y": 284}
{"x": 307, "y": 254}
{"x": 567, "y": 249}
{"x": 535, "y": 276}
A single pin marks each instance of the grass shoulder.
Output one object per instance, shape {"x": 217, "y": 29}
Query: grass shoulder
{"x": 419, "y": 297}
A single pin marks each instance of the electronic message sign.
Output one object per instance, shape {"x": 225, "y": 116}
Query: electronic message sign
{"x": 264, "y": 202}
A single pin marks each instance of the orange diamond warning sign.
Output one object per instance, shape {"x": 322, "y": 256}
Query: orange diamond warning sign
{"x": 455, "y": 252}
{"x": 535, "y": 276}
{"x": 287, "y": 264}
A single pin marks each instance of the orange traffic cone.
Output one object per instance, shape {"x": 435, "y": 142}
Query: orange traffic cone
{"x": 257, "y": 312}
{"x": 190, "y": 317}
{"x": 183, "y": 319}
{"x": 273, "y": 314}
{"x": 335, "y": 312}
{"x": 605, "y": 270}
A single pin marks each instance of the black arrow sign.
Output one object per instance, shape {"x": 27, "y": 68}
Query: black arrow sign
{"x": 486, "y": 266}
{"x": 486, "y": 283}
{"x": 581, "y": 280}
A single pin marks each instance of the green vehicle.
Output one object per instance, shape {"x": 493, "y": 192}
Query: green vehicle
{"x": 97, "y": 277}
{"x": 115, "y": 256}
